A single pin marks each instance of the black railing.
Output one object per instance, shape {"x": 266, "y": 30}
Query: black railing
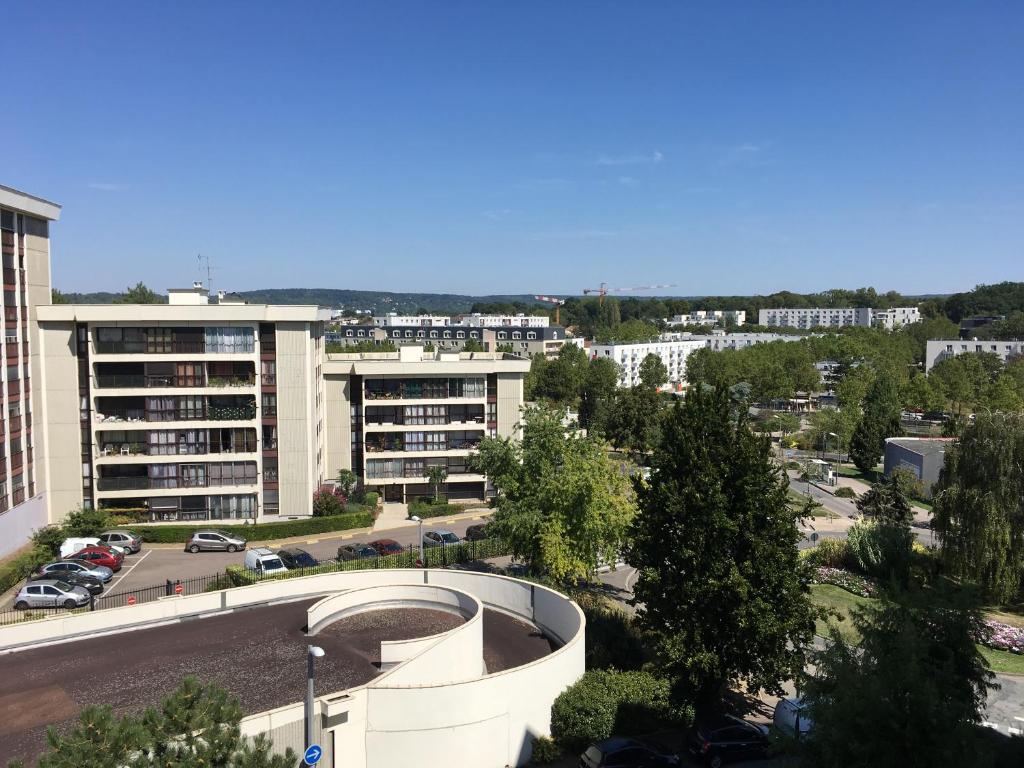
{"x": 443, "y": 556}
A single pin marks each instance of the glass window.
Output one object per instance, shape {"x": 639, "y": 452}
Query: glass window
{"x": 230, "y": 340}
{"x": 269, "y": 404}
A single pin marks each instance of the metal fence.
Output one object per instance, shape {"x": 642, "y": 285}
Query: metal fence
{"x": 237, "y": 576}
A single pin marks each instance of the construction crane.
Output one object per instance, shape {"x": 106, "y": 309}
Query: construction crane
{"x": 558, "y": 305}
{"x": 604, "y": 290}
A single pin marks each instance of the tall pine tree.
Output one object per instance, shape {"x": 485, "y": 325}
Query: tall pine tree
{"x": 715, "y": 543}
{"x": 881, "y": 419}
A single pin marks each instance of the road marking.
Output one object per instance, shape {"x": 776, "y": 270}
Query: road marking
{"x": 129, "y": 569}
{"x": 987, "y": 724}
{"x": 1018, "y": 718}
{"x": 1014, "y": 731}
{"x": 313, "y": 541}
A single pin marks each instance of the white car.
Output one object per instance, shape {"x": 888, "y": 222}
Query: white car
{"x": 70, "y": 546}
{"x": 51, "y": 593}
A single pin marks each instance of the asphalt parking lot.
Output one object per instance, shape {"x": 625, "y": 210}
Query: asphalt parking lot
{"x": 258, "y": 654}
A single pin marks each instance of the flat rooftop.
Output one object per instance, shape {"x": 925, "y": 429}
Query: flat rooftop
{"x": 257, "y": 654}
{"x": 925, "y": 446}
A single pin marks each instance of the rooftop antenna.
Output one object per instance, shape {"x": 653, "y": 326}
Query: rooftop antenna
{"x": 206, "y": 260}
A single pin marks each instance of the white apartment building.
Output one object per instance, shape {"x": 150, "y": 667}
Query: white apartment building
{"x": 393, "y": 319}
{"x": 393, "y": 415}
{"x": 722, "y": 340}
{"x": 816, "y": 317}
{"x": 477, "y": 320}
{"x": 629, "y": 357}
{"x": 937, "y": 350}
{"x": 186, "y": 411}
{"x": 709, "y": 317}
{"x": 891, "y": 318}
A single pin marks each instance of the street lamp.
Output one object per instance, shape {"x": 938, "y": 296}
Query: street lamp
{"x": 833, "y": 434}
{"x": 312, "y": 652}
{"x": 417, "y": 519}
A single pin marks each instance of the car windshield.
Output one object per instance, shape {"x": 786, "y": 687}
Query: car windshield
{"x": 272, "y": 564}
{"x": 450, "y": 538}
{"x": 63, "y": 586}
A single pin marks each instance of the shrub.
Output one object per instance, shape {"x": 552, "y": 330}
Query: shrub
{"x": 170, "y": 534}
{"x": 851, "y": 582}
{"x": 792, "y": 465}
{"x": 370, "y": 498}
{"x": 12, "y": 572}
{"x": 881, "y": 549}
{"x": 545, "y": 750}
{"x": 613, "y": 640}
{"x": 604, "y": 702}
{"x": 832, "y": 553}
{"x": 49, "y": 538}
{"x": 424, "y": 508}
{"x": 85, "y": 522}
{"x": 328, "y": 501}
{"x": 845, "y": 492}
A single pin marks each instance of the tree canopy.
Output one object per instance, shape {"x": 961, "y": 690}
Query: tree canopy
{"x": 881, "y": 419}
{"x": 140, "y": 294}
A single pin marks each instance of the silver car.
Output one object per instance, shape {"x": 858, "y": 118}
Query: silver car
{"x": 126, "y": 540}
{"x": 84, "y": 567}
{"x": 213, "y": 540}
{"x": 51, "y": 593}
{"x": 440, "y": 539}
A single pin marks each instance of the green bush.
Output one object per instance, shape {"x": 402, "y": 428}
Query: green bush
{"x": 370, "y": 498}
{"x": 171, "y": 534}
{"x": 603, "y": 702}
{"x": 830, "y": 553}
{"x": 424, "y": 509}
{"x": 792, "y": 465}
{"x": 881, "y": 549}
{"x": 545, "y": 750}
{"x": 845, "y": 492}
{"x": 612, "y": 639}
{"x": 49, "y": 538}
{"x": 85, "y": 522}
{"x": 12, "y": 572}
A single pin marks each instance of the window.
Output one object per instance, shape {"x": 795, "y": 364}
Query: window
{"x": 414, "y": 441}
{"x": 433, "y": 334}
{"x": 158, "y": 341}
{"x": 517, "y": 335}
{"x": 269, "y": 437}
{"x": 349, "y": 333}
{"x": 269, "y": 404}
{"x": 191, "y": 407}
{"x": 460, "y": 334}
{"x": 160, "y": 408}
{"x": 531, "y": 334}
{"x": 268, "y": 369}
{"x": 447, "y": 334}
{"x": 502, "y": 335}
{"x": 396, "y": 334}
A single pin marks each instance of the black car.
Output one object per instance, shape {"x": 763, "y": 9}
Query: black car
{"x": 355, "y": 551}
{"x": 620, "y": 752}
{"x": 476, "y": 532}
{"x": 293, "y": 558}
{"x": 91, "y": 583}
{"x": 726, "y": 739}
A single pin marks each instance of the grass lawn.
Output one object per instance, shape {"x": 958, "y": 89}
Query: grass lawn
{"x": 1008, "y": 614}
{"x": 797, "y": 501}
{"x": 844, "y": 602}
{"x": 851, "y": 470}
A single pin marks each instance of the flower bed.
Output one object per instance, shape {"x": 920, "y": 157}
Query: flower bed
{"x": 1002, "y": 637}
{"x": 851, "y": 582}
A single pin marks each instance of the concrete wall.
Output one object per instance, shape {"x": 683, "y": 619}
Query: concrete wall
{"x": 18, "y": 523}
{"x": 510, "y": 400}
{"x": 296, "y": 420}
{"x": 338, "y": 424}
{"x": 57, "y": 426}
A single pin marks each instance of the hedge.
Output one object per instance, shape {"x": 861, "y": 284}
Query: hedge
{"x": 424, "y": 509}
{"x": 172, "y": 534}
{"x": 13, "y": 572}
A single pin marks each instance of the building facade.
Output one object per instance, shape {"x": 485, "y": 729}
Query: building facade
{"x": 815, "y": 317}
{"x": 937, "y": 350}
{"x": 630, "y": 356}
{"x": 710, "y": 317}
{"x": 393, "y": 415}
{"x": 923, "y": 456}
{"x": 187, "y": 411}
{"x": 897, "y": 316}
{"x": 720, "y": 341}
{"x": 25, "y": 246}
{"x": 544, "y": 340}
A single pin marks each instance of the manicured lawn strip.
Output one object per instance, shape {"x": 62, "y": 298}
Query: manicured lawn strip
{"x": 1003, "y": 662}
{"x": 171, "y": 534}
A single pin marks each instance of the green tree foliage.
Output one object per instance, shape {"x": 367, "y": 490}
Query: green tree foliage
{"x": 1009, "y": 329}
{"x": 965, "y": 380}
{"x": 347, "y": 480}
{"x": 998, "y": 299}
{"x": 436, "y": 475}
{"x": 560, "y": 380}
{"x": 85, "y": 522}
{"x": 715, "y": 544}
{"x": 338, "y": 348}
{"x": 56, "y": 297}
{"x": 633, "y": 420}
{"x": 562, "y": 505}
{"x": 881, "y": 548}
{"x": 881, "y": 419}
{"x": 653, "y": 372}
{"x": 890, "y": 498}
{"x": 197, "y": 726}
{"x": 919, "y": 392}
{"x": 599, "y": 384}
{"x": 826, "y": 422}
{"x": 775, "y": 371}
{"x": 909, "y": 695}
{"x": 605, "y": 702}
{"x": 328, "y": 501}
{"x": 140, "y": 294}
{"x": 628, "y": 332}
{"x": 472, "y": 345}
{"x": 978, "y": 511}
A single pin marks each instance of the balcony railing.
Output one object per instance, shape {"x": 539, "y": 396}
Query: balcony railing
{"x": 145, "y": 348}
{"x": 164, "y": 483}
{"x": 123, "y": 483}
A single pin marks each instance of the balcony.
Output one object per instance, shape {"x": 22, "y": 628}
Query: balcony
{"x": 146, "y": 348}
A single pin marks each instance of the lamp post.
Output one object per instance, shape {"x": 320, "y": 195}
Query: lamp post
{"x": 417, "y": 519}
{"x": 312, "y": 652}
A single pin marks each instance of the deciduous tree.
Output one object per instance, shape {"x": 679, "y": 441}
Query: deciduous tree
{"x": 653, "y": 372}
{"x": 881, "y": 419}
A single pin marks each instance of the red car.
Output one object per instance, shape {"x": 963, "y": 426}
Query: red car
{"x": 387, "y": 547}
{"x": 99, "y": 555}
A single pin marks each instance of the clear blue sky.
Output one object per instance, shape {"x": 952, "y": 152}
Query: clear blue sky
{"x": 518, "y": 147}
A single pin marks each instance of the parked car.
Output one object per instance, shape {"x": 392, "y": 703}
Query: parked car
{"x": 264, "y": 561}
{"x": 100, "y": 556}
{"x": 791, "y": 718}
{"x": 387, "y": 547}
{"x": 50, "y": 593}
{"x": 130, "y": 542}
{"x": 92, "y": 584}
{"x": 620, "y": 752}
{"x": 355, "y": 551}
{"x": 69, "y": 546}
{"x": 213, "y": 540}
{"x": 58, "y": 569}
{"x": 440, "y": 539}
{"x": 476, "y": 532}
{"x": 293, "y": 557}
{"x": 725, "y": 739}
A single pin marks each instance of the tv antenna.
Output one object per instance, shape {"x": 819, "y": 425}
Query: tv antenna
{"x": 205, "y": 260}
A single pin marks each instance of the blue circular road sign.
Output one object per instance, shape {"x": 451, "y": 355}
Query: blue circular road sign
{"x": 312, "y": 755}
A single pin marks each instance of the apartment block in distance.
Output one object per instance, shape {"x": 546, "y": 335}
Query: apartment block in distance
{"x": 709, "y": 317}
{"x": 186, "y": 411}
{"x": 937, "y": 350}
{"x": 895, "y": 317}
{"x": 815, "y": 317}
{"x": 392, "y": 415}
{"x": 630, "y": 356}
{"x": 25, "y": 245}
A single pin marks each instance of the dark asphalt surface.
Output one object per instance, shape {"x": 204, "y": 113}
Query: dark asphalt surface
{"x": 259, "y": 655}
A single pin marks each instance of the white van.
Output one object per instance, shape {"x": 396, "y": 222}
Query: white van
{"x": 264, "y": 561}
{"x": 72, "y": 545}
{"x": 791, "y": 718}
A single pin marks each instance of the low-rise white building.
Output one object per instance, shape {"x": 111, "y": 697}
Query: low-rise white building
{"x": 393, "y": 319}
{"x": 891, "y": 318}
{"x": 719, "y": 341}
{"x": 629, "y": 357}
{"x": 937, "y": 350}
{"x": 477, "y": 320}
{"x": 815, "y": 317}
{"x": 709, "y": 317}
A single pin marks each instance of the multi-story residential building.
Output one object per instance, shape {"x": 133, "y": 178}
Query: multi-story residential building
{"x": 477, "y": 320}
{"x": 722, "y": 340}
{"x": 630, "y": 356}
{"x": 189, "y": 410}
{"x": 937, "y": 350}
{"x": 897, "y": 316}
{"x": 394, "y": 320}
{"x": 25, "y": 246}
{"x": 539, "y": 340}
{"x": 828, "y": 317}
{"x": 709, "y": 317}
{"x": 392, "y": 415}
